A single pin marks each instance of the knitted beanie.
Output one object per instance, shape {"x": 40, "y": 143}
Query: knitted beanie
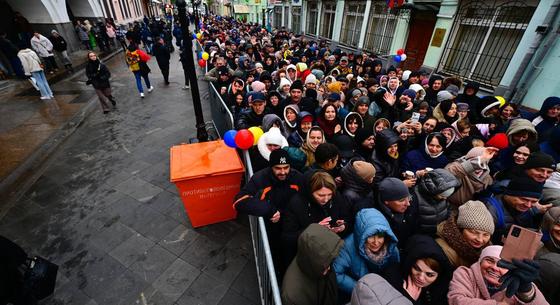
{"x": 296, "y": 85}
{"x": 310, "y": 79}
{"x": 499, "y": 141}
{"x": 452, "y": 89}
{"x": 540, "y": 160}
{"x": 410, "y": 93}
{"x": 462, "y": 107}
{"x": 258, "y": 86}
{"x": 392, "y": 189}
{"x": 361, "y": 135}
{"x": 491, "y": 251}
{"x": 444, "y": 95}
{"x": 364, "y": 169}
{"x": 524, "y": 187}
{"x": 475, "y": 215}
{"x": 335, "y": 87}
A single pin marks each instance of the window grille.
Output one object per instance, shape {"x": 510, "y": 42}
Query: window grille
{"x": 352, "y": 24}
{"x": 484, "y": 37}
{"x": 327, "y": 19}
{"x": 296, "y": 19}
{"x": 312, "y": 15}
{"x": 381, "y": 27}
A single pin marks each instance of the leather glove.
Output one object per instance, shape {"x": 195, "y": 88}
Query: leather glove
{"x": 520, "y": 277}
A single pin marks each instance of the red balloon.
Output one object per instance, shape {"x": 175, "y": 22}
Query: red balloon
{"x": 400, "y": 51}
{"x": 244, "y": 139}
{"x": 202, "y": 63}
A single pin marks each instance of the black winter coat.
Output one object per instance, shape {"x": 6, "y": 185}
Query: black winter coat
{"x": 59, "y": 44}
{"x": 403, "y": 225}
{"x": 303, "y": 210}
{"x": 431, "y": 211}
{"x": 249, "y": 119}
{"x": 98, "y": 75}
{"x": 385, "y": 166}
{"x": 161, "y": 52}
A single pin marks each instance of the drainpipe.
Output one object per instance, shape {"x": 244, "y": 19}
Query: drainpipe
{"x": 517, "y": 94}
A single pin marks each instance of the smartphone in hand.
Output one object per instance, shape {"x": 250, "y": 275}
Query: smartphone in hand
{"x": 521, "y": 243}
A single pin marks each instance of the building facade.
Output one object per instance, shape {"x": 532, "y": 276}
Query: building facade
{"x": 249, "y": 10}
{"x": 510, "y": 47}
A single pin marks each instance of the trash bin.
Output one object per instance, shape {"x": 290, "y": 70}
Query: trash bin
{"x": 207, "y": 175}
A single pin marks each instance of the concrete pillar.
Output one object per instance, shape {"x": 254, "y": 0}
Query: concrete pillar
{"x": 447, "y": 11}
{"x": 319, "y": 10}
{"x": 338, "y": 19}
{"x": 365, "y": 22}
{"x": 303, "y": 18}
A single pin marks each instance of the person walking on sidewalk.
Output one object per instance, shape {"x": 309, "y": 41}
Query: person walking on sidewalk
{"x": 183, "y": 59}
{"x": 98, "y": 76}
{"x": 137, "y": 63}
{"x": 32, "y": 66}
{"x": 82, "y": 32}
{"x": 161, "y": 52}
{"x": 60, "y": 46}
{"x": 44, "y": 48}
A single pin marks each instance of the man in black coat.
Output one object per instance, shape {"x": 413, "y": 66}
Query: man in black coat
{"x": 399, "y": 207}
{"x": 161, "y": 52}
{"x": 267, "y": 194}
{"x": 255, "y": 115}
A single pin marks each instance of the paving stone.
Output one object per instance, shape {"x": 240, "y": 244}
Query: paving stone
{"x": 179, "y": 239}
{"x": 151, "y": 264}
{"x": 176, "y": 279}
{"x": 201, "y": 251}
{"x": 246, "y": 283}
{"x": 112, "y": 236}
{"x": 164, "y": 201}
{"x": 138, "y": 189}
{"x": 206, "y": 290}
{"x": 132, "y": 249}
{"x": 233, "y": 298}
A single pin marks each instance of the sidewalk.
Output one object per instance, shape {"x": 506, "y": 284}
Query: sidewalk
{"x": 104, "y": 210}
{"x": 31, "y": 127}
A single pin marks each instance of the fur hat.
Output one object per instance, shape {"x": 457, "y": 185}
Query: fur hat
{"x": 475, "y": 215}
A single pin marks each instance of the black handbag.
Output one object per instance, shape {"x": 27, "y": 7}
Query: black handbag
{"x": 40, "y": 277}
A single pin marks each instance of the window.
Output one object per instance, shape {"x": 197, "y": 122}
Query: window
{"x": 381, "y": 28}
{"x": 277, "y": 17}
{"x": 313, "y": 14}
{"x": 327, "y": 19}
{"x": 296, "y": 19}
{"x": 352, "y": 23}
{"x": 483, "y": 39}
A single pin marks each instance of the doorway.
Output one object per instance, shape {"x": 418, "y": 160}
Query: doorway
{"x": 422, "y": 25}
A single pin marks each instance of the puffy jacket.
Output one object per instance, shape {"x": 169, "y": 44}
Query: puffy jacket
{"x": 304, "y": 282}
{"x": 30, "y": 61}
{"x": 356, "y": 190}
{"x": 42, "y": 46}
{"x": 353, "y": 262}
{"x": 264, "y": 194}
{"x": 372, "y": 289}
{"x": 431, "y": 211}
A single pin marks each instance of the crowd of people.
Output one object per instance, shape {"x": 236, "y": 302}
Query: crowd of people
{"x": 380, "y": 185}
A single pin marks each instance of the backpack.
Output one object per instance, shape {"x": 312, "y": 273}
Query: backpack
{"x": 133, "y": 61}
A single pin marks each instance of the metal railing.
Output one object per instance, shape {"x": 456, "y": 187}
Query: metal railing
{"x": 266, "y": 274}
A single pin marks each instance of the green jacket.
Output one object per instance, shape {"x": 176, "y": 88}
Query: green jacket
{"x": 304, "y": 282}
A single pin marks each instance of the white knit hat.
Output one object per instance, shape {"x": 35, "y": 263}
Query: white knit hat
{"x": 283, "y": 82}
{"x": 492, "y": 251}
{"x": 310, "y": 79}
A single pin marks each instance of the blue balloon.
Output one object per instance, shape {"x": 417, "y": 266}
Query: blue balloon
{"x": 199, "y": 55}
{"x": 193, "y": 36}
{"x": 397, "y": 58}
{"x": 229, "y": 138}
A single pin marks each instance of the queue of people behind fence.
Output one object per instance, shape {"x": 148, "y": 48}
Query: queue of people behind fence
{"x": 384, "y": 186}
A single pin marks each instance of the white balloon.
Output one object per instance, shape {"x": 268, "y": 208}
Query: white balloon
{"x": 403, "y": 57}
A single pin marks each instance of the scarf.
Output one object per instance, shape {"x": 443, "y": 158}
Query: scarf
{"x": 327, "y": 126}
{"x": 452, "y": 235}
{"x": 378, "y": 257}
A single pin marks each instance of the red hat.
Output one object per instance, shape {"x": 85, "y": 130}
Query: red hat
{"x": 499, "y": 141}
{"x": 307, "y": 119}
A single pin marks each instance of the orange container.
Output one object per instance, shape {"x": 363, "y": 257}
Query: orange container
{"x": 208, "y": 175}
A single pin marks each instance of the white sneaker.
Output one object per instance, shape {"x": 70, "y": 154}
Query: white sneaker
{"x": 150, "y": 89}
{"x": 187, "y": 87}
{"x": 45, "y": 97}
{"x": 142, "y": 95}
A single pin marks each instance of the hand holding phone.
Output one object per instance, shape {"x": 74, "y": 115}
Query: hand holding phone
{"x": 521, "y": 243}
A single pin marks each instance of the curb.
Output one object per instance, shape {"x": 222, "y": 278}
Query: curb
{"x": 13, "y": 186}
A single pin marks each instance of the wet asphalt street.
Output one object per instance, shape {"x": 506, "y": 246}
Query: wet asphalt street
{"x": 105, "y": 211}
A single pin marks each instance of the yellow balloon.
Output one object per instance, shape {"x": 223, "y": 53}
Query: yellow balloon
{"x": 257, "y": 133}
{"x": 198, "y": 35}
{"x": 205, "y": 56}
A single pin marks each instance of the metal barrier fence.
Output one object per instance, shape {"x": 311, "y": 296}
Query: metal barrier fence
{"x": 268, "y": 284}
